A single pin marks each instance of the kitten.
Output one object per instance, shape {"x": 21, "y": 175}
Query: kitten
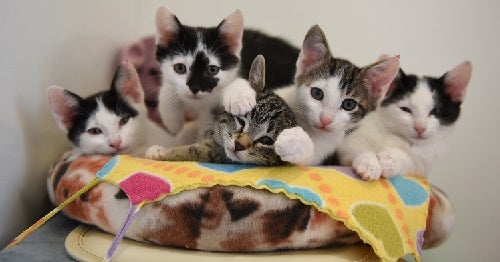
{"x": 409, "y": 131}
{"x": 332, "y": 95}
{"x": 109, "y": 122}
{"x": 268, "y": 135}
{"x": 200, "y": 69}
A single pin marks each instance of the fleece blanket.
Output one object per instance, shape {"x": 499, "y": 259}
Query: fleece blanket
{"x": 247, "y": 208}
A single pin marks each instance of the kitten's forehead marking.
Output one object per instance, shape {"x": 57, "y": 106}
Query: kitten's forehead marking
{"x": 422, "y": 100}
{"x": 104, "y": 119}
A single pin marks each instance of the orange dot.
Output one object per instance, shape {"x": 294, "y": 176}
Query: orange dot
{"x": 333, "y": 201}
{"x": 193, "y": 174}
{"x": 315, "y": 176}
{"x": 342, "y": 214}
{"x": 181, "y": 170}
{"x": 410, "y": 242}
{"x": 391, "y": 198}
{"x": 384, "y": 183}
{"x": 406, "y": 230}
{"x": 168, "y": 167}
{"x": 325, "y": 188}
{"x": 302, "y": 168}
{"x": 399, "y": 214}
{"x": 206, "y": 179}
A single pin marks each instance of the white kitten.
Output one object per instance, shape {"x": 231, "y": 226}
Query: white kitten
{"x": 410, "y": 129}
{"x": 110, "y": 122}
{"x": 200, "y": 70}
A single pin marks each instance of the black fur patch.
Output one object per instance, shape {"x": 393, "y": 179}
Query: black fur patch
{"x": 280, "y": 57}
{"x": 60, "y": 173}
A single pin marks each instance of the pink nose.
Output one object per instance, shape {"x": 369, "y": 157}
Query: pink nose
{"x": 325, "y": 121}
{"x": 115, "y": 144}
{"x": 420, "y": 130}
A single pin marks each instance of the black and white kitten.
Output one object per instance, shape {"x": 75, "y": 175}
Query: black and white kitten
{"x": 332, "y": 95}
{"x": 268, "y": 135}
{"x": 200, "y": 67}
{"x": 110, "y": 122}
{"x": 410, "y": 129}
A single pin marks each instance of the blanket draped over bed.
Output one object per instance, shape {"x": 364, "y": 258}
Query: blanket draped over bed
{"x": 243, "y": 208}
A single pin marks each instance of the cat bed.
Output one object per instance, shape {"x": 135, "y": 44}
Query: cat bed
{"x": 241, "y": 208}
{"x": 86, "y": 243}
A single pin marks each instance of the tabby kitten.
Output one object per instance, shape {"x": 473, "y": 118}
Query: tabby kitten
{"x": 332, "y": 95}
{"x": 410, "y": 129}
{"x": 268, "y": 135}
{"x": 109, "y": 122}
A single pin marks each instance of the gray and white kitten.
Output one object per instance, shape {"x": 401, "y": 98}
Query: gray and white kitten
{"x": 200, "y": 67}
{"x": 410, "y": 129}
{"x": 332, "y": 95}
{"x": 268, "y": 135}
{"x": 109, "y": 122}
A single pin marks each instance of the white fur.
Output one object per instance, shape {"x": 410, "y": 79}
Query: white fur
{"x": 138, "y": 134}
{"x": 295, "y": 146}
{"x": 309, "y": 110}
{"x": 389, "y": 134}
{"x": 175, "y": 97}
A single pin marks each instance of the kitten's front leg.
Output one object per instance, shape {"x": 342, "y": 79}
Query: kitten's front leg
{"x": 367, "y": 166}
{"x": 238, "y": 98}
{"x": 295, "y": 146}
{"x": 156, "y": 152}
{"x": 393, "y": 161}
{"x": 170, "y": 108}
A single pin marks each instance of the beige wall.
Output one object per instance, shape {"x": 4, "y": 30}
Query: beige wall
{"x": 75, "y": 44}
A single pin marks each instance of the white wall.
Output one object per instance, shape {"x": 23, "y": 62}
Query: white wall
{"x": 75, "y": 43}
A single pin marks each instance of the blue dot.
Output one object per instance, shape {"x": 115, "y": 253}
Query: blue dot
{"x": 304, "y": 193}
{"x": 106, "y": 169}
{"x": 411, "y": 192}
{"x": 227, "y": 168}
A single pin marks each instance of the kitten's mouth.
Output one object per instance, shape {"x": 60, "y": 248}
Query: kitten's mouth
{"x": 323, "y": 128}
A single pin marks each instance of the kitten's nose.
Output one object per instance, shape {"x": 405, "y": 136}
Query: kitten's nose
{"x": 238, "y": 146}
{"x": 325, "y": 121}
{"x": 115, "y": 144}
{"x": 242, "y": 142}
{"x": 420, "y": 130}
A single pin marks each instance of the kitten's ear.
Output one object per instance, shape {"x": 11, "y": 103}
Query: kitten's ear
{"x": 63, "y": 105}
{"x": 127, "y": 83}
{"x": 231, "y": 30}
{"x": 314, "y": 51}
{"x": 135, "y": 53}
{"x": 379, "y": 75}
{"x": 456, "y": 81}
{"x": 167, "y": 26}
{"x": 257, "y": 74}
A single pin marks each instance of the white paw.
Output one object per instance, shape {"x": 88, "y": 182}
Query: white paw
{"x": 295, "y": 146}
{"x": 388, "y": 164}
{"x": 238, "y": 98}
{"x": 367, "y": 166}
{"x": 156, "y": 152}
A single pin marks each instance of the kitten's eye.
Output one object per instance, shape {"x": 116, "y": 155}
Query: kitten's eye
{"x": 94, "y": 131}
{"x": 180, "y": 68}
{"x": 406, "y": 109}
{"x": 349, "y": 104}
{"x": 265, "y": 140}
{"x": 434, "y": 111}
{"x": 124, "y": 120}
{"x": 212, "y": 70}
{"x": 317, "y": 93}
